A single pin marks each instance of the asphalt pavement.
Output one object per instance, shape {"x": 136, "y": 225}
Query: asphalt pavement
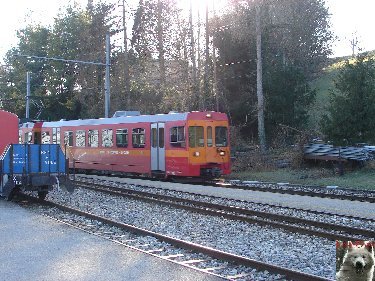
{"x": 35, "y": 247}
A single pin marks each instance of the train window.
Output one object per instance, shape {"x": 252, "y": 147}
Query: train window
{"x": 209, "y": 136}
{"x": 178, "y": 136}
{"x": 161, "y": 137}
{"x": 68, "y": 138}
{"x": 28, "y": 137}
{"x": 93, "y": 138}
{"x": 46, "y": 138}
{"x": 107, "y": 137}
{"x": 138, "y": 138}
{"x": 81, "y": 138}
{"x": 55, "y": 135}
{"x": 58, "y": 135}
{"x": 154, "y": 137}
{"x": 196, "y": 136}
{"x": 122, "y": 138}
{"x": 221, "y": 136}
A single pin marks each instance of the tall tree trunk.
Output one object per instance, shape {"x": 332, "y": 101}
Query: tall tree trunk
{"x": 126, "y": 60}
{"x": 192, "y": 49}
{"x": 161, "y": 45}
{"x": 199, "y": 69}
{"x": 261, "y": 129}
{"x": 215, "y": 89}
{"x": 206, "y": 66}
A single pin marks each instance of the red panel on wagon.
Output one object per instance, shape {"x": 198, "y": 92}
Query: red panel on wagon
{"x": 8, "y": 128}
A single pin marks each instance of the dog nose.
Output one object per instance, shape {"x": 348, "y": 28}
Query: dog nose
{"x": 358, "y": 264}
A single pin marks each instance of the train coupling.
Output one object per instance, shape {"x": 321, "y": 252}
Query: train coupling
{"x": 213, "y": 172}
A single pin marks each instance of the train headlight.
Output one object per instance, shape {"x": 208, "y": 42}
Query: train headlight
{"x": 196, "y": 154}
{"x": 208, "y": 115}
{"x": 222, "y": 153}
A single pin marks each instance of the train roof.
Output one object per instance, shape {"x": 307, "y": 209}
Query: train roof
{"x": 173, "y": 116}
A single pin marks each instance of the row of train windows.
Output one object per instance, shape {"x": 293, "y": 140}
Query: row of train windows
{"x": 138, "y": 138}
{"x": 177, "y": 137}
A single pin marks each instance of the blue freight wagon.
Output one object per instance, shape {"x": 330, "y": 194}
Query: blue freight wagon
{"x": 33, "y": 167}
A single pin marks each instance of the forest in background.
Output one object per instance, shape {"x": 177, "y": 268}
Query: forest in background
{"x": 175, "y": 61}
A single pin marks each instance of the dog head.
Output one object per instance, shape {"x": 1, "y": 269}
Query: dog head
{"x": 361, "y": 258}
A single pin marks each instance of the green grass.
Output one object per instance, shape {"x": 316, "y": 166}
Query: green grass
{"x": 359, "y": 179}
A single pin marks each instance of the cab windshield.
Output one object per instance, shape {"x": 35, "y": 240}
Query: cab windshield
{"x": 196, "y": 136}
{"x": 221, "y": 136}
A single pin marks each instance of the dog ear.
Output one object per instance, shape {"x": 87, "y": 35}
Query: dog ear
{"x": 369, "y": 247}
{"x": 350, "y": 245}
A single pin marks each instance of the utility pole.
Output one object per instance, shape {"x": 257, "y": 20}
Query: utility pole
{"x": 107, "y": 76}
{"x": 126, "y": 58}
{"x": 261, "y": 129}
{"x": 27, "y": 95}
{"x": 107, "y": 65}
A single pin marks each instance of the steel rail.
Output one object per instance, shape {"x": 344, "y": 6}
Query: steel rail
{"x": 301, "y": 193}
{"x": 254, "y": 202}
{"x": 241, "y": 214}
{"x": 217, "y": 254}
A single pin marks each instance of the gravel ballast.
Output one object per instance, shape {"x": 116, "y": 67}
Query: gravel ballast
{"x": 295, "y": 251}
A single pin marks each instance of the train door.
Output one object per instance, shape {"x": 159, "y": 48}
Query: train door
{"x": 37, "y": 132}
{"x": 37, "y": 137}
{"x": 157, "y": 147}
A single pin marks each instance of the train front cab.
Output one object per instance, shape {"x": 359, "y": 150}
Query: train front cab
{"x": 209, "y": 152}
{"x": 198, "y": 147}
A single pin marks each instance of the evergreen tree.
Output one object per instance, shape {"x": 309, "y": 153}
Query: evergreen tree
{"x": 288, "y": 98}
{"x": 352, "y": 108}
{"x": 33, "y": 41}
{"x": 296, "y": 40}
{"x": 67, "y": 90}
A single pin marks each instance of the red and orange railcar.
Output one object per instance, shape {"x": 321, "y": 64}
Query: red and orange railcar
{"x": 193, "y": 144}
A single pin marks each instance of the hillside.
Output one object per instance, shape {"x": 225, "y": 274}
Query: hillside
{"x": 324, "y": 85}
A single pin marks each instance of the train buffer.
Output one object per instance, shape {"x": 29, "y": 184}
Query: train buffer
{"x": 33, "y": 167}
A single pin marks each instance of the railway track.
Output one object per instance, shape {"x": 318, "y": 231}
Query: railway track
{"x": 280, "y": 273}
{"x": 293, "y": 224}
{"x": 332, "y": 192}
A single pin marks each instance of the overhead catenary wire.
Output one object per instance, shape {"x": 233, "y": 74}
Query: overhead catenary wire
{"x": 235, "y": 63}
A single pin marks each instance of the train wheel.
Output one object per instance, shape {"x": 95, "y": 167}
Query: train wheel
{"x": 15, "y": 191}
{"x": 42, "y": 195}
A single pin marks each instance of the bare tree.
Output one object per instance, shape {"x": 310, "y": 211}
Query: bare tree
{"x": 126, "y": 59}
{"x": 192, "y": 49}
{"x": 161, "y": 43}
{"x": 206, "y": 65}
{"x": 354, "y": 44}
{"x": 261, "y": 129}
